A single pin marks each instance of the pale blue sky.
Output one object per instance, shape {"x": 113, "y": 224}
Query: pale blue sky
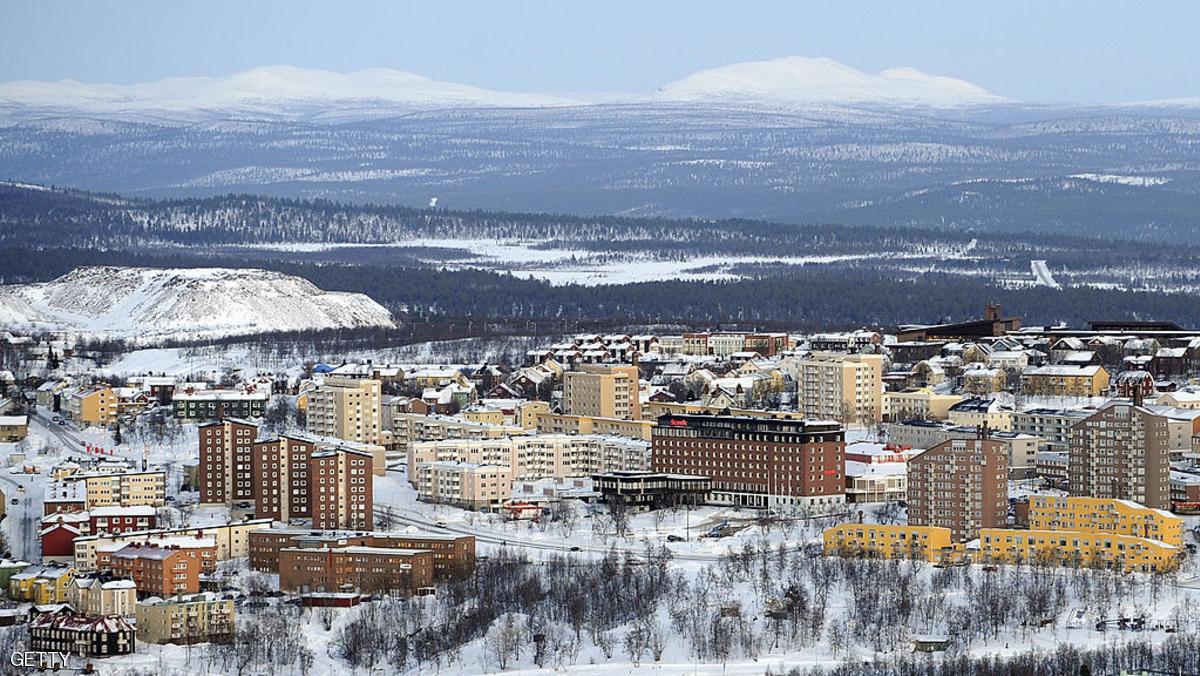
{"x": 1047, "y": 50}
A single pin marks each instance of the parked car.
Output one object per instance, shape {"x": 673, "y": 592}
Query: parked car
{"x": 675, "y": 538}
{"x": 574, "y": 548}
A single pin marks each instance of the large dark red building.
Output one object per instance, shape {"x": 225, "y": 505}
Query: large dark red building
{"x": 755, "y": 462}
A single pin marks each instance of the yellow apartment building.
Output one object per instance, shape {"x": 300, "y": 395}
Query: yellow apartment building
{"x": 927, "y": 543}
{"x": 1101, "y": 515}
{"x": 1074, "y": 548}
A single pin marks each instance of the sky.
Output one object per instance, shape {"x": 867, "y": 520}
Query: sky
{"x": 1035, "y": 51}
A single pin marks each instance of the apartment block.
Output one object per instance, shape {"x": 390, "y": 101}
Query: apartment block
{"x": 355, "y": 568}
{"x": 347, "y": 408}
{"x": 340, "y": 491}
{"x": 1077, "y": 549}
{"x": 407, "y": 428}
{"x": 960, "y": 484}
{"x": 535, "y": 456}
{"x": 1065, "y": 380}
{"x": 843, "y": 387}
{"x": 562, "y": 423}
{"x": 157, "y": 571}
{"x": 186, "y": 619}
{"x": 1121, "y": 451}
{"x": 453, "y": 555}
{"x": 125, "y": 489}
{"x": 1098, "y": 515}
{"x": 926, "y": 543}
{"x": 93, "y": 406}
{"x": 602, "y": 391}
{"x": 464, "y": 484}
{"x": 227, "y": 461}
{"x": 755, "y": 462}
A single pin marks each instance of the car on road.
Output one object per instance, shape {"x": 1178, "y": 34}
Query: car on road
{"x": 575, "y": 548}
{"x": 675, "y": 538}
{"x": 441, "y": 524}
{"x": 62, "y": 422}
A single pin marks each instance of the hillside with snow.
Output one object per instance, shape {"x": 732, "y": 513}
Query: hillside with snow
{"x": 147, "y": 304}
{"x": 797, "y": 80}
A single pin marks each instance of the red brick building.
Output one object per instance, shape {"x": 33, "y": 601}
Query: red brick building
{"x": 755, "y": 462}
{"x": 453, "y": 555}
{"x": 340, "y": 489}
{"x": 281, "y": 478}
{"x": 226, "y": 458}
{"x": 292, "y": 476}
{"x": 960, "y": 484}
{"x": 157, "y": 571}
{"x": 355, "y": 568}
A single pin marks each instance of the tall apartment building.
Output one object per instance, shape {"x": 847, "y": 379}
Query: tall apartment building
{"x": 227, "y": 461}
{"x": 960, "y": 484}
{"x": 292, "y": 476}
{"x": 1121, "y": 451}
{"x": 340, "y": 489}
{"x": 843, "y": 387}
{"x": 347, "y": 408}
{"x": 752, "y": 461}
{"x": 602, "y": 391}
{"x": 281, "y": 478}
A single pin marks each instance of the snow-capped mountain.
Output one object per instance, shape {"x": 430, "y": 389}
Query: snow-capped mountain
{"x": 797, "y": 80}
{"x": 149, "y": 304}
{"x": 270, "y": 89}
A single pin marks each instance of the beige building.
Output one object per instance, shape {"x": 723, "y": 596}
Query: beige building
{"x": 101, "y": 596}
{"x": 530, "y": 457}
{"x": 602, "y": 391}
{"x": 464, "y": 484}
{"x": 411, "y": 427}
{"x": 1122, "y": 451}
{"x": 561, "y": 423}
{"x": 918, "y": 404}
{"x": 127, "y": 489}
{"x": 979, "y": 412}
{"x": 191, "y": 618}
{"x": 347, "y": 408}
{"x": 843, "y": 387}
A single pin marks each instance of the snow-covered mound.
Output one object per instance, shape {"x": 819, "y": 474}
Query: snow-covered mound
{"x": 150, "y": 304}
{"x": 269, "y": 89}
{"x": 796, "y": 79}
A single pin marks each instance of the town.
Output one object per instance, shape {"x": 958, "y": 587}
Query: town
{"x": 150, "y": 510}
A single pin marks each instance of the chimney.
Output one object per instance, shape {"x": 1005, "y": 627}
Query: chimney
{"x": 1138, "y": 395}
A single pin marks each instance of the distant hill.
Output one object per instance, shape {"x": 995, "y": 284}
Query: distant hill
{"x": 145, "y": 304}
